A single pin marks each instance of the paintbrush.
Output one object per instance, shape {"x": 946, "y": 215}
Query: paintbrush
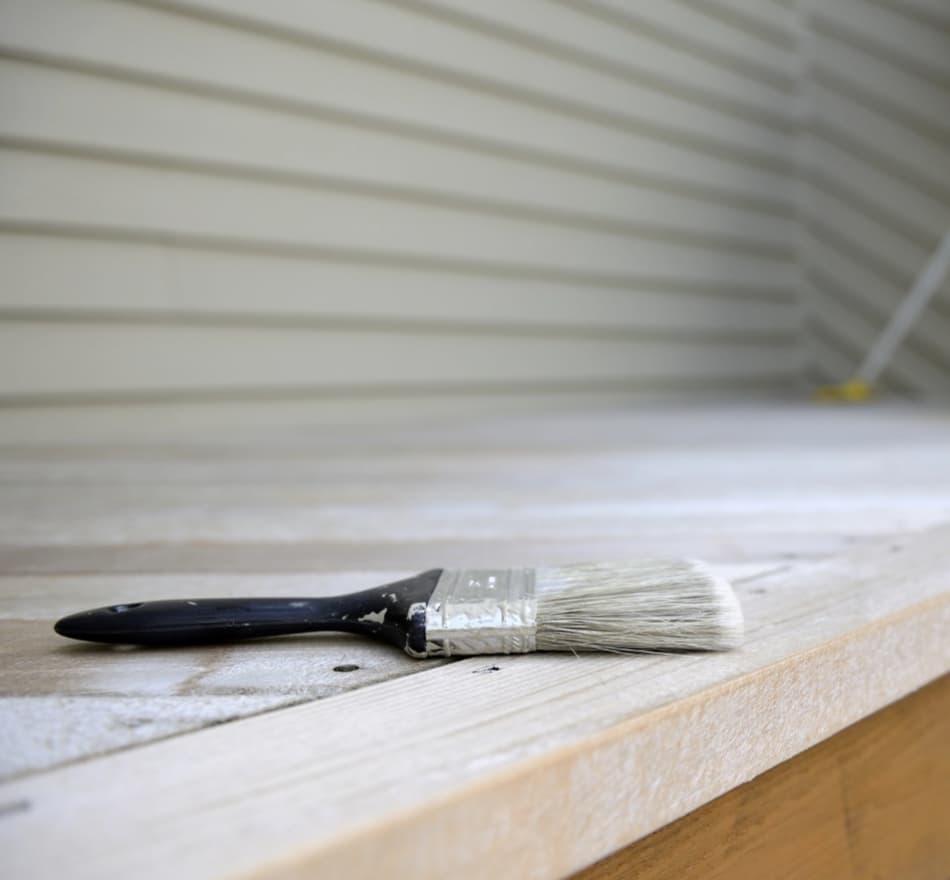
{"x": 650, "y": 605}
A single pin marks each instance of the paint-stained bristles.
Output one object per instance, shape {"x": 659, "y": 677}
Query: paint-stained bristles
{"x": 651, "y": 605}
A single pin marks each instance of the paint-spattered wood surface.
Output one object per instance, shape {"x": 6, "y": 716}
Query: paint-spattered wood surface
{"x": 280, "y": 756}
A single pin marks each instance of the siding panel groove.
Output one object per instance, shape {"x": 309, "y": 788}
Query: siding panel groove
{"x": 216, "y": 201}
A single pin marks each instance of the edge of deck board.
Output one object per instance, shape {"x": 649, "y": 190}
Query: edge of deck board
{"x": 458, "y": 772}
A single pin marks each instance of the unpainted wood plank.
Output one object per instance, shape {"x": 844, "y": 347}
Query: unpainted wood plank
{"x": 63, "y": 701}
{"x": 871, "y": 801}
{"x": 487, "y": 760}
{"x": 753, "y": 483}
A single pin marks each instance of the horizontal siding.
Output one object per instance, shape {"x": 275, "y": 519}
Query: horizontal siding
{"x": 217, "y": 201}
{"x": 498, "y": 63}
{"x": 698, "y": 30}
{"x": 101, "y": 116}
{"x": 154, "y": 279}
{"x": 92, "y": 193}
{"x": 876, "y": 183}
{"x": 326, "y": 78}
{"x": 48, "y": 359}
{"x": 571, "y": 32}
{"x": 844, "y": 273}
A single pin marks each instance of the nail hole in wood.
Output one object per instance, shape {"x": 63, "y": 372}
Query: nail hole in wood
{"x": 346, "y": 667}
{"x": 14, "y": 807}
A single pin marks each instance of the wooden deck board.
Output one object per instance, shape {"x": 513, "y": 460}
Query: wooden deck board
{"x": 765, "y": 492}
{"x": 871, "y": 801}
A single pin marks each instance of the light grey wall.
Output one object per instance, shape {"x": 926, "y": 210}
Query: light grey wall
{"x": 250, "y": 210}
{"x": 875, "y": 182}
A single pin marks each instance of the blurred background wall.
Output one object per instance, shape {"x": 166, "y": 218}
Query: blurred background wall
{"x": 875, "y": 151}
{"x": 225, "y": 210}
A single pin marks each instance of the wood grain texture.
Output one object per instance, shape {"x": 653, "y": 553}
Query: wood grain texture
{"x": 762, "y": 490}
{"x": 488, "y": 758}
{"x": 92, "y": 702}
{"x": 751, "y": 484}
{"x": 870, "y": 802}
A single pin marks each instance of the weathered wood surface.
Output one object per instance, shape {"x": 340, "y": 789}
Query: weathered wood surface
{"x": 488, "y": 756}
{"x": 732, "y": 484}
{"x": 763, "y": 492}
{"x": 870, "y": 802}
{"x": 65, "y": 700}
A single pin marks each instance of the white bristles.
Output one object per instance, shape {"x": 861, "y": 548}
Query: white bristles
{"x": 650, "y": 605}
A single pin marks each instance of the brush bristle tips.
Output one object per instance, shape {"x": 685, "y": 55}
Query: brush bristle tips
{"x": 652, "y": 605}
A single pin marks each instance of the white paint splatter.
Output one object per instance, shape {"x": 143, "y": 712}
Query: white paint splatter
{"x": 374, "y": 616}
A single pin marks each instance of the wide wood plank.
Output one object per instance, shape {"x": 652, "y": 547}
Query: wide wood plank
{"x": 321, "y": 794}
{"x": 752, "y": 483}
{"x": 88, "y": 702}
{"x": 871, "y": 801}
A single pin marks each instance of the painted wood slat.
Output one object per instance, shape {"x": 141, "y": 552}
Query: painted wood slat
{"x": 494, "y": 65}
{"x": 149, "y": 43}
{"x": 770, "y": 21}
{"x": 68, "y": 110}
{"x": 898, "y": 92}
{"x": 727, "y": 43}
{"x": 873, "y": 297}
{"x": 57, "y": 190}
{"x": 885, "y": 31}
{"x": 902, "y": 256}
{"x": 890, "y": 146}
{"x": 135, "y": 279}
{"x": 392, "y": 787}
{"x": 921, "y": 214}
{"x": 80, "y": 422}
{"x": 826, "y": 356}
{"x": 907, "y": 368}
{"x": 560, "y": 28}
{"x": 928, "y": 12}
{"x": 41, "y": 358}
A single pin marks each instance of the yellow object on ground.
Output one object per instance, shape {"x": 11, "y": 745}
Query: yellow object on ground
{"x": 852, "y": 391}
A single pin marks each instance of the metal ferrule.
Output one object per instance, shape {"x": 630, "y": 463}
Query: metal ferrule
{"x": 482, "y": 611}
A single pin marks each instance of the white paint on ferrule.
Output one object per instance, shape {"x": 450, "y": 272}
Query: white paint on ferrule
{"x": 482, "y": 611}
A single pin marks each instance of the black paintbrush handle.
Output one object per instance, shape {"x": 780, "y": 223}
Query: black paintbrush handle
{"x": 394, "y": 613}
